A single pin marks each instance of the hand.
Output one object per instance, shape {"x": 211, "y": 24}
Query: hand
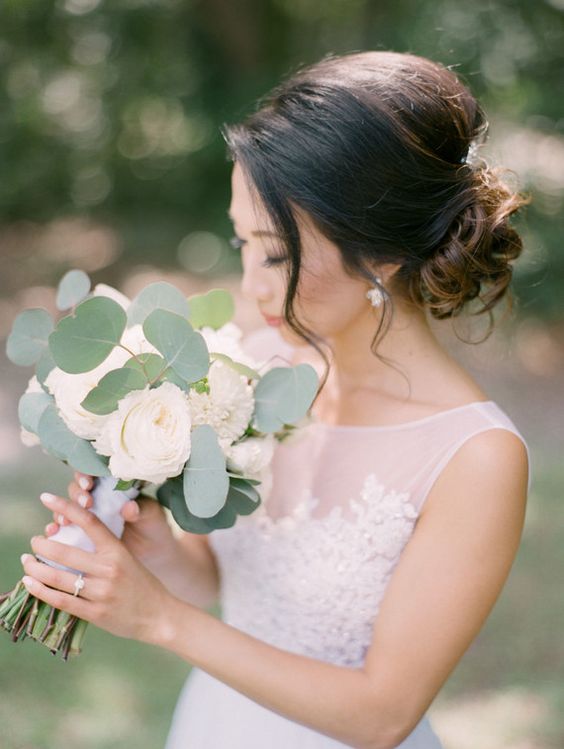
{"x": 120, "y": 595}
{"x": 147, "y": 533}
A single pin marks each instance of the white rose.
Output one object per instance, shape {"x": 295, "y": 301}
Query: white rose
{"x": 34, "y": 386}
{"x": 227, "y": 340}
{"x": 229, "y": 405}
{"x": 102, "y": 289}
{"x": 69, "y": 390}
{"x": 134, "y": 339}
{"x": 29, "y": 439}
{"x": 148, "y": 437}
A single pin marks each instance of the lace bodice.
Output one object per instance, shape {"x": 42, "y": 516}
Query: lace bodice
{"x": 307, "y": 571}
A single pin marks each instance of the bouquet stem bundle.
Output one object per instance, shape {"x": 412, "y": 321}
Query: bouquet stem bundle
{"x": 26, "y": 616}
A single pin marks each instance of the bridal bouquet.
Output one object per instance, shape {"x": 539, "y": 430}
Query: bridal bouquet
{"x": 156, "y": 390}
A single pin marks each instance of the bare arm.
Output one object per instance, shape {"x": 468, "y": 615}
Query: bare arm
{"x": 446, "y": 582}
{"x": 189, "y": 570}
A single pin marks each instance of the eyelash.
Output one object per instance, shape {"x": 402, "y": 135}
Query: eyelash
{"x": 236, "y": 242}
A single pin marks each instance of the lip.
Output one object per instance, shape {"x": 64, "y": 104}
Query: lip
{"x": 272, "y": 320}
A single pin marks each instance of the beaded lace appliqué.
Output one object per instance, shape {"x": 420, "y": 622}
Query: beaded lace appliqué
{"x": 313, "y": 585}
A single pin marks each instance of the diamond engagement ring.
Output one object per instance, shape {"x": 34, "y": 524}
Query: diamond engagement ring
{"x": 78, "y": 584}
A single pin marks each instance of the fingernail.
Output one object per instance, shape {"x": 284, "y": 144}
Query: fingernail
{"x": 83, "y": 482}
{"x": 82, "y": 499}
{"x": 60, "y": 519}
{"x": 136, "y": 509}
{"x": 47, "y": 498}
{"x": 27, "y": 581}
{"x": 24, "y": 558}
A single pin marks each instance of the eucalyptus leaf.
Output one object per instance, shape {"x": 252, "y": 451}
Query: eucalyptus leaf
{"x": 83, "y": 340}
{"x": 58, "y": 440}
{"x": 45, "y": 364}
{"x": 29, "y": 335}
{"x": 205, "y": 480}
{"x": 250, "y": 373}
{"x": 171, "y": 376}
{"x": 283, "y": 396}
{"x": 112, "y": 387}
{"x": 30, "y": 409}
{"x": 214, "y": 308}
{"x": 182, "y": 347}
{"x": 238, "y": 502}
{"x": 159, "y": 295}
{"x": 73, "y": 288}
{"x": 150, "y": 365}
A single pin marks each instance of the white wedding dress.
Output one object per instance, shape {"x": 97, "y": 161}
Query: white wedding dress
{"x": 308, "y": 569}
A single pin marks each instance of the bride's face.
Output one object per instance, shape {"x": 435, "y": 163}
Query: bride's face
{"x": 327, "y": 301}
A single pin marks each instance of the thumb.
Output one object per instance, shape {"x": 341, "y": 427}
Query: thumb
{"x": 130, "y": 511}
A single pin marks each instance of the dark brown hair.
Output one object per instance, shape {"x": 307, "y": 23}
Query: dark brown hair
{"x": 380, "y": 149}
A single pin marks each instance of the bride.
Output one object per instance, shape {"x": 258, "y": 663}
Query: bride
{"x": 360, "y": 207}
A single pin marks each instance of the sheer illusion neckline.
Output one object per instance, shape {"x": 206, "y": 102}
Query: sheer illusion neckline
{"x": 388, "y": 427}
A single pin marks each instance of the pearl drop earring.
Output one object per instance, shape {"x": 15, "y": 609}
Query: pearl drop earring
{"x": 375, "y": 294}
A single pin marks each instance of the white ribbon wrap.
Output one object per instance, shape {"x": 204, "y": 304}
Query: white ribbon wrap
{"x": 107, "y": 504}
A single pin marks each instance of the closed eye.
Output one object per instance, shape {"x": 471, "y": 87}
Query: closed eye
{"x": 236, "y": 243}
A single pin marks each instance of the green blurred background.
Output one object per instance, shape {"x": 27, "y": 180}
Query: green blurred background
{"x": 112, "y": 162}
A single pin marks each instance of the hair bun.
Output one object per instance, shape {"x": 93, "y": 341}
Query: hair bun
{"x": 478, "y": 248}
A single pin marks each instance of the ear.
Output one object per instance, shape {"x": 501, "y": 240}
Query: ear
{"x": 386, "y": 271}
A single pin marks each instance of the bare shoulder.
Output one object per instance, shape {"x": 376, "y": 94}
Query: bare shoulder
{"x": 492, "y": 465}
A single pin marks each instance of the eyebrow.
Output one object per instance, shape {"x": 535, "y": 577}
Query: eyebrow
{"x": 259, "y": 232}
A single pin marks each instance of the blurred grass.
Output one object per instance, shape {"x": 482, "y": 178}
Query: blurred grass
{"x": 518, "y": 657}
{"x": 117, "y": 693}
{"x": 122, "y": 693}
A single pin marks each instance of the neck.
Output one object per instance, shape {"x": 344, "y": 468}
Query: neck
{"x": 409, "y": 345}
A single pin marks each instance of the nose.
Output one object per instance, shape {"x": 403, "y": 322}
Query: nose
{"x": 255, "y": 284}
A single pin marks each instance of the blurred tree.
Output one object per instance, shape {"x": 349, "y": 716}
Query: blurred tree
{"x": 111, "y": 110}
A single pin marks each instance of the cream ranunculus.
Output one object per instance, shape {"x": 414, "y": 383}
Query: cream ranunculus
{"x": 251, "y": 455}
{"x": 148, "y": 436}
{"x": 253, "y": 458}
{"x": 229, "y": 405}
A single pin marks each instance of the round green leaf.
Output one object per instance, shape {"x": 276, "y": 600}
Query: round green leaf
{"x": 183, "y": 349}
{"x": 115, "y": 385}
{"x": 83, "y": 340}
{"x": 158, "y": 295}
{"x": 214, "y": 308}
{"x": 45, "y": 364}
{"x": 72, "y": 289}
{"x": 283, "y": 396}
{"x": 250, "y": 373}
{"x": 30, "y": 409}
{"x": 205, "y": 480}
{"x": 150, "y": 365}
{"x": 28, "y": 338}
{"x": 58, "y": 440}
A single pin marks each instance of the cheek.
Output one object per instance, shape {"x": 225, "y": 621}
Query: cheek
{"x": 328, "y": 299}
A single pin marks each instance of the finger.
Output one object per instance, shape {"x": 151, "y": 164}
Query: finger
{"x": 100, "y": 535}
{"x": 130, "y": 511}
{"x": 83, "y": 497}
{"x": 71, "y": 556}
{"x": 51, "y": 529}
{"x": 74, "y": 605}
{"x": 54, "y": 578}
{"x": 84, "y": 480}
